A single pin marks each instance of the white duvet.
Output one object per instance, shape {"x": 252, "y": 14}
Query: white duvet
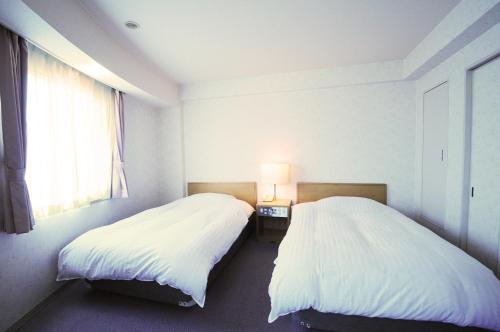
{"x": 175, "y": 244}
{"x": 354, "y": 256}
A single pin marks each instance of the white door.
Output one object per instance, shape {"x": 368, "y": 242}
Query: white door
{"x": 483, "y": 235}
{"x": 434, "y": 158}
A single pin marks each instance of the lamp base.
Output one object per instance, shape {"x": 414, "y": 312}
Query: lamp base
{"x": 269, "y": 198}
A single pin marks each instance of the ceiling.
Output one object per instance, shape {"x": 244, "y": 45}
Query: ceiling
{"x": 203, "y": 40}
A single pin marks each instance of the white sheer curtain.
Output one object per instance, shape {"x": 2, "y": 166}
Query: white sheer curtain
{"x": 71, "y": 136}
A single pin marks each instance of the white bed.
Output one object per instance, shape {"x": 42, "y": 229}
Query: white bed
{"x": 355, "y": 256}
{"x": 176, "y": 244}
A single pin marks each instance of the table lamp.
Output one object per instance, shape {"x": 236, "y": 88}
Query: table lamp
{"x": 275, "y": 173}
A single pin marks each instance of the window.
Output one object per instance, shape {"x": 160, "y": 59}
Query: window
{"x": 71, "y": 136}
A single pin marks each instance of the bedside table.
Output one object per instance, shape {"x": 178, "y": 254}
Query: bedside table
{"x": 273, "y": 219}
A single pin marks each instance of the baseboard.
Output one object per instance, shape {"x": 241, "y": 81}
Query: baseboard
{"x": 23, "y": 320}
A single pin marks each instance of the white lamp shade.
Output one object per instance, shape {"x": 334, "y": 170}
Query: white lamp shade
{"x": 275, "y": 173}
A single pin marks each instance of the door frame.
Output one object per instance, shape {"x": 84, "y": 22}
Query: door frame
{"x": 422, "y": 140}
{"x": 466, "y": 196}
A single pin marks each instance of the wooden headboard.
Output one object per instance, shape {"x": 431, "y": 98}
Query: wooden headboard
{"x": 246, "y": 191}
{"x": 310, "y": 192}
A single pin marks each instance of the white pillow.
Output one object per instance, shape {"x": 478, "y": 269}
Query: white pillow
{"x": 247, "y": 207}
{"x": 211, "y": 196}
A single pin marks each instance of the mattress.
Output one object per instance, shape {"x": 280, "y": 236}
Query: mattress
{"x": 313, "y": 319}
{"x": 356, "y": 257}
{"x": 153, "y": 291}
{"x": 177, "y": 244}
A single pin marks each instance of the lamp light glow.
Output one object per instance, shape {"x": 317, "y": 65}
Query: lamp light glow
{"x": 275, "y": 173}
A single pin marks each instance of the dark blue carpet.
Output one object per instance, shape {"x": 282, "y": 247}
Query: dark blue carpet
{"x": 236, "y": 301}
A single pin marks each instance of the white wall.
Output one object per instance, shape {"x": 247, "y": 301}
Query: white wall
{"x": 171, "y": 155}
{"x": 359, "y": 133}
{"x": 454, "y": 70}
{"x": 29, "y": 261}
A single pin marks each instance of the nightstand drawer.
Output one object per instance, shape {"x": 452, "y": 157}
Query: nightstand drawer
{"x": 273, "y": 211}
{"x": 273, "y": 219}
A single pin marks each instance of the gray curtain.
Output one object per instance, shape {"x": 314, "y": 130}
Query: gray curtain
{"x": 119, "y": 182}
{"x": 17, "y": 216}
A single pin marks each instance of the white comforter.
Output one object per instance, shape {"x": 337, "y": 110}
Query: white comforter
{"x": 175, "y": 244}
{"x": 355, "y": 256}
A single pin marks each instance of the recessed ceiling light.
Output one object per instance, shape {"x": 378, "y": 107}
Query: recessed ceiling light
{"x": 132, "y": 25}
